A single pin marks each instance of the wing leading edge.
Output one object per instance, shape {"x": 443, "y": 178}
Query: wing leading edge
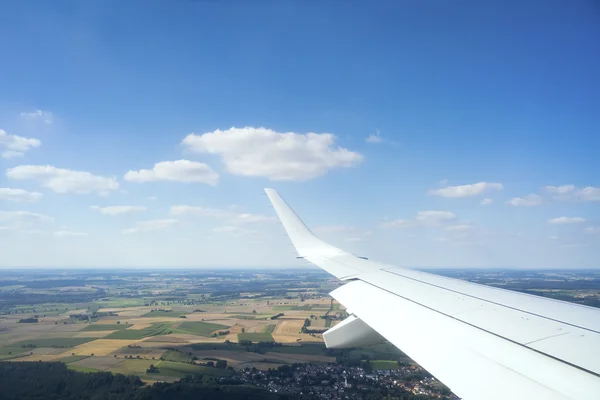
{"x": 482, "y": 342}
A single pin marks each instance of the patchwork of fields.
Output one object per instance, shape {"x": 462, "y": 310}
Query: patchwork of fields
{"x": 127, "y": 335}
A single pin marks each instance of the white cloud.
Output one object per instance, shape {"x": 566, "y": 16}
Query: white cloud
{"x": 398, "y": 223}
{"x": 423, "y": 218}
{"x": 64, "y": 180}
{"x": 117, "y": 210}
{"x": 152, "y": 198}
{"x": 566, "y": 220}
{"x": 68, "y": 233}
{"x": 19, "y": 195}
{"x": 588, "y": 194}
{"x": 553, "y": 237}
{"x": 16, "y": 146}
{"x": 233, "y": 230}
{"x": 45, "y": 116}
{"x": 435, "y": 216}
{"x": 592, "y": 229}
{"x": 571, "y": 192}
{"x": 458, "y": 228}
{"x": 560, "y": 190}
{"x": 151, "y": 225}
{"x": 22, "y": 220}
{"x": 278, "y": 156}
{"x": 175, "y": 171}
{"x": 486, "y": 201}
{"x": 530, "y": 200}
{"x": 374, "y": 137}
{"x": 474, "y": 189}
{"x": 219, "y": 213}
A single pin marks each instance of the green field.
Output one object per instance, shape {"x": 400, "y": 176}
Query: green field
{"x": 269, "y": 328}
{"x": 54, "y": 342}
{"x": 200, "y": 328}
{"x": 79, "y": 368}
{"x": 256, "y": 337}
{"x": 177, "y": 369}
{"x": 105, "y": 327}
{"x": 132, "y": 334}
{"x": 162, "y": 314}
{"x": 176, "y": 356}
{"x": 70, "y": 359}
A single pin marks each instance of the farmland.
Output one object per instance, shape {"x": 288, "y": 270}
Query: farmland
{"x": 162, "y": 326}
{"x": 179, "y": 323}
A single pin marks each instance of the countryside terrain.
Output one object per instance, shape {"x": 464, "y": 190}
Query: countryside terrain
{"x": 178, "y": 321}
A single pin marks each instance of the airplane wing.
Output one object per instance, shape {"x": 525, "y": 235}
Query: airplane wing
{"x": 482, "y": 342}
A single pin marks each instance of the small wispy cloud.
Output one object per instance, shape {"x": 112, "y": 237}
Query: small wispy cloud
{"x": 531, "y": 200}
{"x": 38, "y": 115}
{"x": 566, "y": 220}
{"x": 474, "y": 189}
{"x": 374, "y": 137}
{"x": 151, "y": 225}
{"x": 117, "y": 210}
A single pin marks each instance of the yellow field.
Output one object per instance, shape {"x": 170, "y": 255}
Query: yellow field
{"x": 100, "y": 347}
{"x": 291, "y": 326}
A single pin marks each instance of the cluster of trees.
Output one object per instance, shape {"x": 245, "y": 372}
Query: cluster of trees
{"x": 305, "y": 328}
{"x": 221, "y": 333}
{"x": 277, "y": 316}
{"x": 53, "y": 381}
{"x": 28, "y": 320}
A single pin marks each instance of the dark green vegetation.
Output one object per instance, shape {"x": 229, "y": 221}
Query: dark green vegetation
{"x": 153, "y": 330}
{"x": 256, "y": 337}
{"x": 53, "y": 381}
{"x": 164, "y": 313}
{"x": 200, "y": 328}
{"x": 105, "y": 327}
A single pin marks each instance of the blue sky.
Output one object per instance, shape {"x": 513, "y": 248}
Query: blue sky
{"x": 426, "y": 135}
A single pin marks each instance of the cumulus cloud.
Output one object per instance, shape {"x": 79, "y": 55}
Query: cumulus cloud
{"x": 117, "y": 210}
{"x": 486, "y": 202}
{"x": 530, "y": 200}
{"x": 68, "y": 233}
{"x": 64, "y": 180}
{"x": 572, "y": 193}
{"x": 151, "y": 225}
{"x": 219, "y": 213}
{"x": 38, "y": 115}
{"x": 474, "y": 189}
{"x": 19, "y": 195}
{"x": 566, "y": 220}
{"x": 175, "y": 171}
{"x": 277, "y": 156}
{"x": 15, "y": 146}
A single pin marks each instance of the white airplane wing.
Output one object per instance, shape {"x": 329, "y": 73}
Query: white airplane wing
{"x": 482, "y": 342}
